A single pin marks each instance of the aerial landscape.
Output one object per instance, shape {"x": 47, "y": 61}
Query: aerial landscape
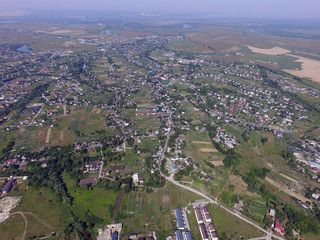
{"x": 169, "y": 120}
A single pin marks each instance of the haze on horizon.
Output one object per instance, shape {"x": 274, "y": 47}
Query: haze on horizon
{"x": 226, "y": 8}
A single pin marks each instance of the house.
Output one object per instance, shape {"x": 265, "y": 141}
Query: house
{"x": 203, "y": 231}
{"x": 279, "y": 228}
{"x": 272, "y": 212}
{"x": 214, "y": 235}
{"x": 93, "y": 166}
{"x": 7, "y": 187}
{"x": 198, "y": 215}
{"x": 135, "y": 177}
{"x": 206, "y": 214}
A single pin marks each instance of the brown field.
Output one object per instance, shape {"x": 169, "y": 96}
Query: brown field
{"x": 217, "y": 163}
{"x": 69, "y": 32}
{"x": 208, "y": 150}
{"x": 269, "y": 51}
{"x": 310, "y": 68}
{"x": 286, "y": 190}
{"x": 201, "y": 142}
{"x": 48, "y": 135}
{"x": 289, "y": 178}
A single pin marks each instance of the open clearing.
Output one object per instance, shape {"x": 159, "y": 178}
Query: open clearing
{"x": 289, "y": 178}
{"x": 310, "y": 68}
{"x": 288, "y": 191}
{"x": 240, "y": 187}
{"x": 48, "y": 135}
{"x": 269, "y": 51}
{"x": 208, "y": 150}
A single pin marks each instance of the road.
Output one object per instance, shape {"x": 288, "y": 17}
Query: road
{"x": 36, "y": 115}
{"x": 102, "y": 162}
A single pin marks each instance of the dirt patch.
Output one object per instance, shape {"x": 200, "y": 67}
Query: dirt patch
{"x": 118, "y": 203}
{"x": 6, "y": 205}
{"x": 289, "y": 178}
{"x": 166, "y": 201}
{"x": 269, "y": 165}
{"x": 286, "y": 190}
{"x": 217, "y": 163}
{"x": 310, "y": 68}
{"x": 64, "y": 109}
{"x": 201, "y": 142}
{"x": 240, "y": 187}
{"x": 208, "y": 150}
{"x": 269, "y": 51}
{"x": 48, "y": 135}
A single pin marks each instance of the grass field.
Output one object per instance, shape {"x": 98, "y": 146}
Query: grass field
{"x": 47, "y": 212}
{"x": 98, "y": 201}
{"x": 230, "y": 225}
{"x": 201, "y": 148}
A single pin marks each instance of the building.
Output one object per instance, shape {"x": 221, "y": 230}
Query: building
{"x": 135, "y": 177}
{"x": 203, "y": 231}
{"x": 179, "y": 219}
{"x": 93, "y": 166}
{"x": 272, "y": 212}
{"x": 279, "y": 228}
{"x": 179, "y": 235}
{"x": 198, "y": 215}
{"x": 207, "y": 214}
{"x": 7, "y": 187}
{"x": 214, "y": 235}
{"x": 188, "y": 235}
{"x": 115, "y": 235}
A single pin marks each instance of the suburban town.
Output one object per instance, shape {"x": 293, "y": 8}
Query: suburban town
{"x": 111, "y": 130}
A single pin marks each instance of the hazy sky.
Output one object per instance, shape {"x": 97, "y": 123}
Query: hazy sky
{"x": 243, "y": 8}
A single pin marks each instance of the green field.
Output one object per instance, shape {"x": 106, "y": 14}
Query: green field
{"x": 142, "y": 211}
{"x": 231, "y": 226}
{"x": 98, "y": 201}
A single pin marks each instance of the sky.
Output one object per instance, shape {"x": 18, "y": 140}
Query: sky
{"x": 229, "y": 8}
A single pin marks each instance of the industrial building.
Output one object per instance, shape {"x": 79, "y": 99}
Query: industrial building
{"x": 180, "y": 221}
{"x": 179, "y": 235}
